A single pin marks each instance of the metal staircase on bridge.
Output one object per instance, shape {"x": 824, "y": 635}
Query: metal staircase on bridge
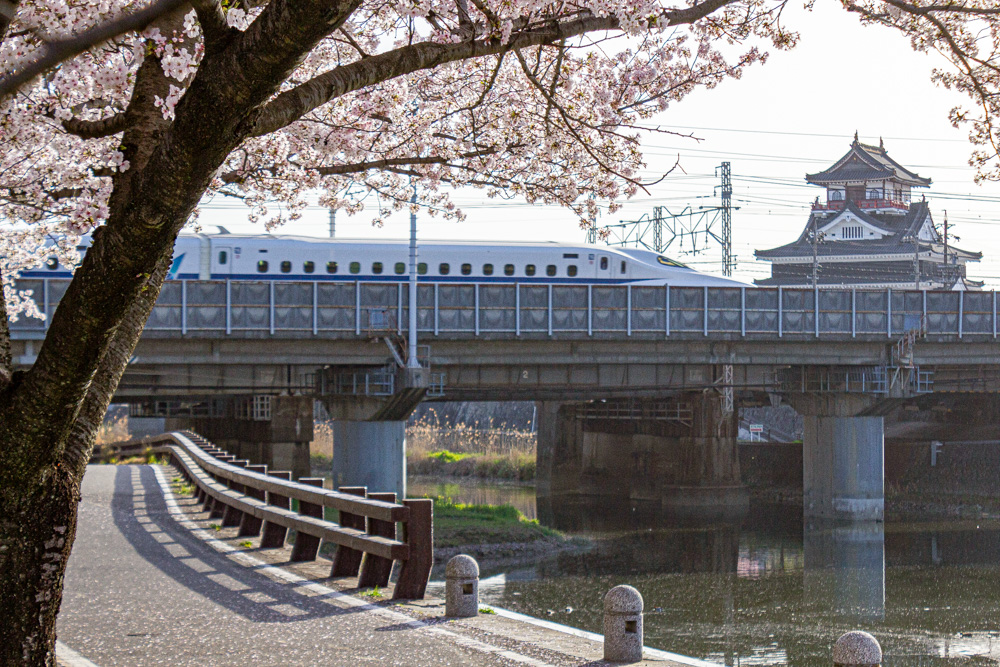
{"x": 897, "y": 377}
{"x": 397, "y": 384}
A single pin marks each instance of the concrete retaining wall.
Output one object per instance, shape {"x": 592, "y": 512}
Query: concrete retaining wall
{"x": 771, "y": 465}
{"x": 960, "y": 469}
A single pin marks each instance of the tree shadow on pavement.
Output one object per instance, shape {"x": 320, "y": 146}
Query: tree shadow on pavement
{"x": 140, "y": 514}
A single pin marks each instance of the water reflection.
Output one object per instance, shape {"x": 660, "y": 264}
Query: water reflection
{"x": 475, "y": 491}
{"x": 766, "y": 589}
{"x": 845, "y": 568}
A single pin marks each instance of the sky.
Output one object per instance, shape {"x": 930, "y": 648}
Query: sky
{"x": 796, "y": 114}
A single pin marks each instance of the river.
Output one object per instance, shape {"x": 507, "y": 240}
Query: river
{"x": 764, "y": 588}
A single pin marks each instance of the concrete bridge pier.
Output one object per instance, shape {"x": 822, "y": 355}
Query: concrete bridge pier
{"x": 842, "y": 457}
{"x": 369, "y": 440}
{"x": 370, "y": 454}
{"x": 678, "y": 453}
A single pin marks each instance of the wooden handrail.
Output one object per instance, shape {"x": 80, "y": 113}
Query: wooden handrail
{"x": 240, "y": 489}
{"x": 339, "y": 501}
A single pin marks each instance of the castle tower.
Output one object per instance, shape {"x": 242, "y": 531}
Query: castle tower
{"x": 869, "y": 233}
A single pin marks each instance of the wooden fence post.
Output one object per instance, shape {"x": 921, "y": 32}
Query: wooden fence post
{"x": 418, "y": 534}
{"x": 274, "y": 535}
{"x": 232, "y": 516}
{"x": 306, "y": 546}
{"x": 347, "y": 561}
{"x": 250, "y": 525}
{"x": 375, "y": 570}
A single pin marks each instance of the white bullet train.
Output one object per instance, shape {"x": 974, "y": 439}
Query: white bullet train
{"x": 223, "y": 255}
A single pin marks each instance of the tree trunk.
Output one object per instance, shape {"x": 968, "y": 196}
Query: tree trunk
{"x": 37, "y": 527}
{"x": 38, "y": 523}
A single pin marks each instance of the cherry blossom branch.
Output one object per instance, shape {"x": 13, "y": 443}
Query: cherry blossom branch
{"x": 237, "y": 177}
{"x": 568, "y": 124}
{"x": 401, "y": 161}
{"x": 292, "y": 104}
{"x": 96, "y": 129}
{"x": 55, "y": 52}
{"x": 967, "y": 61}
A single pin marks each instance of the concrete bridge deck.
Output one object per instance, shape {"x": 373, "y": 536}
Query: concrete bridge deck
{"x": 150, "y": 583}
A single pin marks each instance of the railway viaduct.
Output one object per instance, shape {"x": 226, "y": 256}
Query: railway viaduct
{"x": 638, "y": 387}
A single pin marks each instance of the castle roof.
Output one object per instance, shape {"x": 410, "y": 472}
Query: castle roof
{"x": 899, "y": 230}
{"x": 866, "y": 163}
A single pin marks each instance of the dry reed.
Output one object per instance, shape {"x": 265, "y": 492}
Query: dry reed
{"x": 113, "y": 430}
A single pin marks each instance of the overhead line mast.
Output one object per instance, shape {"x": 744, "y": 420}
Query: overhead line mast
{"x": 659, "y": 231}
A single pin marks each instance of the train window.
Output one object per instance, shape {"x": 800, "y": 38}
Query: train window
{"x": 466, "y": 269}
{"x": 400, "y": 267}
{"x": 223, "y": 257}
{"x": 376, "y": 268}
{"x": 487, "y": 269}
{"x": 571, "y": 270}
{"x": 262, "y": 266}
{"x": 52, "y": 263}
{"x": 422, "y": 268}
{"x": 309, "y": 267}
{"x": 550, "y": 270}
{"x": 623, "y": 266}
{"x": 508, "y": 269}
{"x": 529, "y": 269}
{"x": 354, "y": 267}
{"x": 604, "y": 263}
{"x": 286, "y": 266}
{"x": 331, "y": 267}
{"x": 444, "y": 269}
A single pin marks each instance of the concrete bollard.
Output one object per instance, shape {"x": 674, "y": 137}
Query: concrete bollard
{"x": 623, "y": 625}
{"x": 857, "y": 649}
{"x": 461, "y": 588}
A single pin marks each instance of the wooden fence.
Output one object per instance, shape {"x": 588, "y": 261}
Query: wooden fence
{"x": 259, "y": 502}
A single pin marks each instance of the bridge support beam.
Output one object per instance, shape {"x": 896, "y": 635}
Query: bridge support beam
{"x": 679, "y": 454}
{"x": 277, "y": 436}
{"x": 842, "y": 457}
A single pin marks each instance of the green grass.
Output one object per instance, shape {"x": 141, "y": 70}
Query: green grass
{"x": 447, "y": 457}
{"x": 373, "y": 593}
{"x": 460, "y": 524}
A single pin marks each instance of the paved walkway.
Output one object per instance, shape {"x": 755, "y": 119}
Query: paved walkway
{"x": 149, "y": 583}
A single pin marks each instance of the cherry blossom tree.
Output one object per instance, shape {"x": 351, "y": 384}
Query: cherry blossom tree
{"x": 272, "y": 100}
{"x": 268, "y": 101}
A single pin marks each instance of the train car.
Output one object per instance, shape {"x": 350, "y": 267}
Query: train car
{"x": 221, "y": 255}
{"x": 280, "y": 257}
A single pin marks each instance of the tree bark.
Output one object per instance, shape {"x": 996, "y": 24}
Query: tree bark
{"x": 37, "y": 526}
{"x": 38, "y": 522}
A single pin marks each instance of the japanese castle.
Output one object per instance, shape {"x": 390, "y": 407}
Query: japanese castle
{"x": 869, "y": 233}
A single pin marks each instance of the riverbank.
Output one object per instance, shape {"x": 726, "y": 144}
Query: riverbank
{"x": 492, "y": 533}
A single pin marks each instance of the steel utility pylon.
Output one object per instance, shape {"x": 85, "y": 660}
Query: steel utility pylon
{"x": 657, "y": 232}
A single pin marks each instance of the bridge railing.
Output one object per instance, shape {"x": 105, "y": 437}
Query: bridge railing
{"x": 259, "y": 502}
{"x": 339, "y": 309}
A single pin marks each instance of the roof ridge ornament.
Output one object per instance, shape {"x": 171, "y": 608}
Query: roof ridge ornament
{"x": 881, "y": 144}
{"x": 855, "y": 136}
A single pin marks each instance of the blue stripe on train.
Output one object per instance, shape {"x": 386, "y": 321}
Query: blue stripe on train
{"x": 404, "y": 279}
